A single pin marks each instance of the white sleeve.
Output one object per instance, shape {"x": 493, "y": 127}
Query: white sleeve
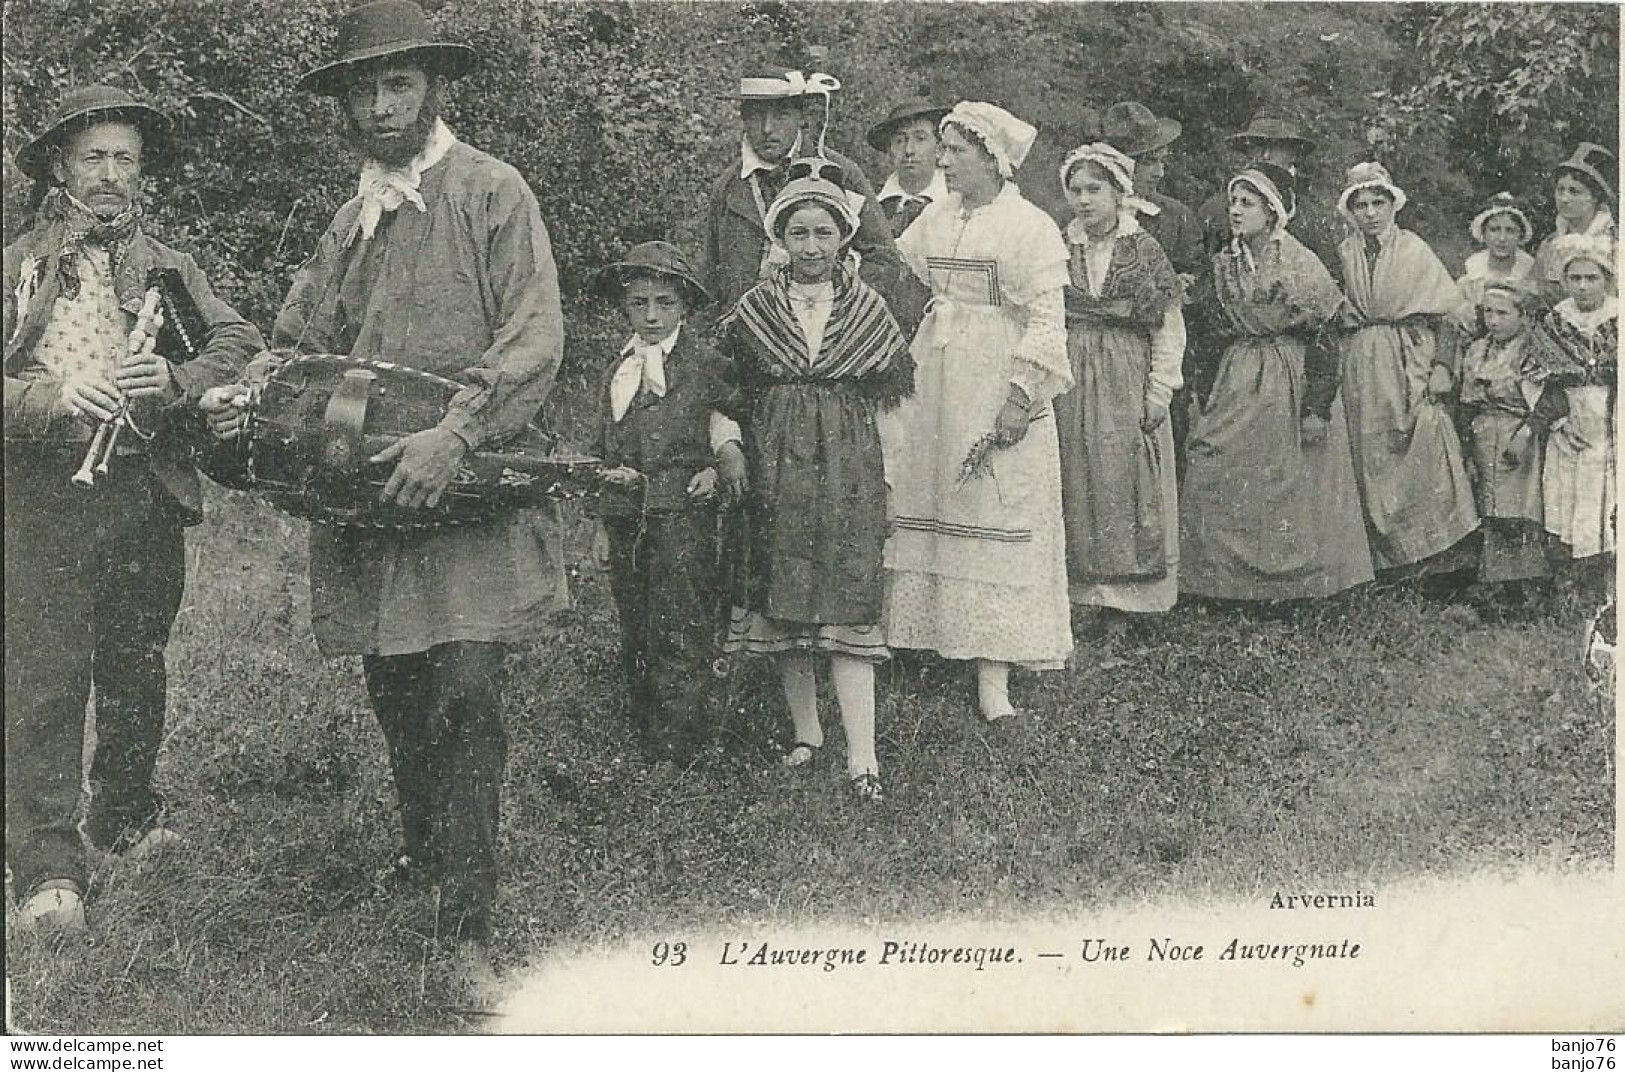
{"x": 1167, "y": 355}
{"x": 724, "y": 430}
{"x": 1039, "y": 365}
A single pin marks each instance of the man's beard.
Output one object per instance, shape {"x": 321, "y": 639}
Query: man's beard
{"x": 399, "y": 151}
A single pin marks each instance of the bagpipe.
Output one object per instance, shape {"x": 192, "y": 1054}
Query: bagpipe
{"x": 169, "y": 323}
{"x": 311, "y": 427}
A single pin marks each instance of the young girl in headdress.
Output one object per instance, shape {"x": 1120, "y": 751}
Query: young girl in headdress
{"x": 1125, "y": 340}
{"x": 1501, "y": 230}
{"x": 818, "y": 359}
{"x": 1576, "y": 349}
{"x": 1584, "y": 192}
{"x": 1506, "y": 436}
{"x": 669, "y": 456}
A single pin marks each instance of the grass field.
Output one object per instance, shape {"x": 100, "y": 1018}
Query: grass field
{"x": 1372, "y": 738}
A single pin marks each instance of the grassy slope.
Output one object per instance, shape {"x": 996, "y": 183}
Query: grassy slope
{"x": 1372, "y": 738}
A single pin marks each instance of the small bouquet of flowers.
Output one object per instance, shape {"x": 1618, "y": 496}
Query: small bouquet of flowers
{"x": 979, "y": 460}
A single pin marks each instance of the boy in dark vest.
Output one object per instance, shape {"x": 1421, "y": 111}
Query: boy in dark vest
{"x": 670, "y": 456}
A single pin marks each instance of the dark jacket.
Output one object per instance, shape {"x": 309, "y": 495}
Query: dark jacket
{"x": 1177, "y": 232}
{"x": 33, "y": 407}
{"x": 735, "y": 240}
{"x": 667, "y": 439}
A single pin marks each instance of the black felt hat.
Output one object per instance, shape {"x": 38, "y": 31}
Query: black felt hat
{"x": 1134, "y": 130}
{"x": 652, "y": 258}
{"x": 1267, "y": 128}
{"x": 880, "y": 134}
{"x": 84, "y": 105}
{"x": 387, "y": 28}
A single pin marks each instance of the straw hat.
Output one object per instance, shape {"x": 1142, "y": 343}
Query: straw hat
{"x": 774, "y": 82}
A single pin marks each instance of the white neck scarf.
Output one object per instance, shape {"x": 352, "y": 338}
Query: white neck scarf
{"x": 1589, "y": 322}
{"x": 385, "y": 189}
{"x": 1602, "y": 223}
{"x": 644, "y": 365}
{"x": 935, "y": 190}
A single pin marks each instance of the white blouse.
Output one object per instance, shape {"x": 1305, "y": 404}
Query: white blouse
{"x": 1167, "y": 338}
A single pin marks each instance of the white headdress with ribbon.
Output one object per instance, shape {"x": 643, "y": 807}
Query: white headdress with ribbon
{"x": 817, "y": 190}
{"x": 1265, "y": 186}
{"x": 1007, "y": 138}
{"x": 1599, "y": 249}
{"x": 1116, "y": 164}
{"x": 1502, "y": 204}
{"x": 1369, "y": 176}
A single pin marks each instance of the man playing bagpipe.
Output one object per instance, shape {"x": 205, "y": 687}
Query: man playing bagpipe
{"x": 98, "y": 485}
{"x": 441, "y": 263}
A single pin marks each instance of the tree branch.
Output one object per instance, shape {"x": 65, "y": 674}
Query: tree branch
{"x": 227, "y": 98}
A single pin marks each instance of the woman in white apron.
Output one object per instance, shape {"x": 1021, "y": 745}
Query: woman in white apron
{"x": 975, "y": 566}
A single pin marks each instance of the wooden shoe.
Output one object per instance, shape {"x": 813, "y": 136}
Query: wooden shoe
{"x": 866, "y": 787}
{"x": 57, "y": 906}
{"x": 801, "y": 754}
{"x": 153, "y": 844}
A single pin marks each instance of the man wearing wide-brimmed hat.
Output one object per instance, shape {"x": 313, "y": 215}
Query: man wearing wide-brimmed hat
{"x": 908, "y": 138}
{"x": 1273, "y": 140}
{"x": 440, "y": 262}
{"x": 736, "y": 250}
{"x": 1135, "y": 131}
{"x": 94, "y": 574}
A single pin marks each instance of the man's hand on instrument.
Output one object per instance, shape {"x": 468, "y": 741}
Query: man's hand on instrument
{"x": 91, "y": 398}
{"x": 622, "y": 476}
{"x": 223, "y": 408}
{"x": 425, "y": 463}
{"x": 147, "y": 375}
{"x": 262, "y": 364}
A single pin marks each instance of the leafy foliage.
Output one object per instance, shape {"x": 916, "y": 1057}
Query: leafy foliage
{"x": 618, "y": 113}
{"x": 1504, "y": 91}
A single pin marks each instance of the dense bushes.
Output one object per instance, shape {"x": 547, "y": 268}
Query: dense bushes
{"x": 617, "y": 113}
